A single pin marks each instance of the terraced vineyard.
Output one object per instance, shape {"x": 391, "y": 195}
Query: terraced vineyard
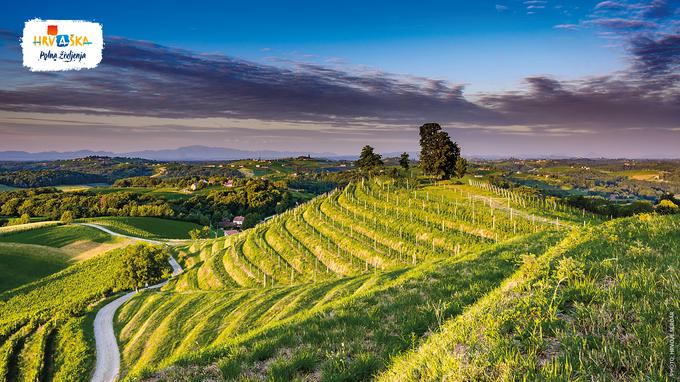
{"x": 375, "y": 280}
{"x": 354, "y": 243}
{"x": 365, "y": 227}
{"x": 45, "y": 328}
{"x": 336, "y": 288}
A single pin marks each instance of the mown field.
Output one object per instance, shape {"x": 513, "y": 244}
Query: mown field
{"x": 32, "y": 252}
{"x": 145, "y": 227}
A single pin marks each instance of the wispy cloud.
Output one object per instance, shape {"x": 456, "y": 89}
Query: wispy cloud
{"x": 147, "y": 88}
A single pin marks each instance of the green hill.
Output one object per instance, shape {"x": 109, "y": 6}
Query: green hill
{"x": 46, "y": 325}
{"x": 146, "y": 227}
{"x": 596, "y": 306}
{"x": 24, "y": 263}
{"x": 28, "y": 255}
{"x": 379, "y": 281}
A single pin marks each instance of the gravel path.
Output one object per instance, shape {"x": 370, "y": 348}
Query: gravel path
{"x": 108, "y": 354}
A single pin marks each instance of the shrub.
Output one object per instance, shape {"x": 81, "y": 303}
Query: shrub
{"x": 67, "y": 217}
{"x": 666, "y": 207}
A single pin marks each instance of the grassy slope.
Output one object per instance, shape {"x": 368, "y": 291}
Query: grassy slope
{"x": 348, "y": 328}
{"x": 583, "y": 308}
{"x": 56, "y": 236}
{"x": 146, "y": 227}
{"x": 26, "y": 256}
{"x": 44, "y": 325}
{"x": 595, "y": 307}
{"x": 350, "y": 232}
{"x": 23, "y": 263}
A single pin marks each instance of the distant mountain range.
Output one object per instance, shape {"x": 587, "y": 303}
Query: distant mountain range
{"x": 188, "y": 153}
{"x": 205, "y": 153}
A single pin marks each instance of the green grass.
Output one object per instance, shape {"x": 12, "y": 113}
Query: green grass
{"x": 597, "y": 307}
{"x": 44, "y": 324}
{"x": 346, "y": 329}
{"x": 57, "y": 236}
{"x": 81, "y": 187}
{"x": 168, "y": 193}
{"x": 22, "y": 263}
{"x": 26, "y": 227}
{"x": 26, "y": 256}
{"x": 146, "y": 227}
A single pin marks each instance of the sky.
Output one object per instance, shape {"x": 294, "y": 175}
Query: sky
{"x": 504, "y": 78}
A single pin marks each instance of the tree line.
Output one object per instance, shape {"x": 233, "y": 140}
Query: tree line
{"x": 439, "y": 156}
{"x": 255, "y": 199}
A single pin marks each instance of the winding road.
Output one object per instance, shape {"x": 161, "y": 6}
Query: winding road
{"x": 108, "y": 354}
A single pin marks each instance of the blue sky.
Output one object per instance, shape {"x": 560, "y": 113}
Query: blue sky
{"x": 503, "y": 77}
{"x": 488, "y": 45}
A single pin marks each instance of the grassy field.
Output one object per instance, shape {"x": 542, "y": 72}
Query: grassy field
{"x": 594, "y": 307}
{"x": 28, "y": 255}
{"x": 57, "y": 236}
{"x": 81, "y": 187}
{"x": 23, "y": 263}
{"x": 27, "y": 227}
{"x": 168, "y": 193}
{"x": 146, "y": 227}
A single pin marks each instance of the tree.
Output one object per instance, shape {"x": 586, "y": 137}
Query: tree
{"x": 251, "y": 220}
{"x": 438, "y": 154}
{"x": 369, "y": 161}
{"x": 200, "y": 233}
{"x": 143, "y": 264}
{"x": 461, "y": 167}
{"x": 23, "y": 219}
{"x": 403, "y": 161}
{"x": 67, "y": 217}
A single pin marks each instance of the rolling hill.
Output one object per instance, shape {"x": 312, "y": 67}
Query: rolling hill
{"x": 378, "y": 280}
{"x": 553, "y": 304}
{"x": 33, "y": 251}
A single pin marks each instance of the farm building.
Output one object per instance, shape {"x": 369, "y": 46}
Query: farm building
{"x": 238, "y": 220}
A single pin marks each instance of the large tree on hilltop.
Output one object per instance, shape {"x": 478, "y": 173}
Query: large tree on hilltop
{"x": 369, "y": 161}
{"x": 438, "y": 153}
{"x": 404, "y": 161}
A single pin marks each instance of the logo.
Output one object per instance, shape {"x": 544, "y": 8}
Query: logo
{"x": 55, "y": 45}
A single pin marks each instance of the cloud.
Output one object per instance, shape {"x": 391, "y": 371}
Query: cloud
{"x": 143, "y": 78}
{"x": 610, "y": 5}
{"x": 501, "y": 8}
{"x": 603, "y": 103}
{"x": 567, "y": 26}
{"x": 658, "y": 9}
{"x": 149, "y": 88}
{"x": 621, "y": 24}
{"x": 657, "y": 56}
